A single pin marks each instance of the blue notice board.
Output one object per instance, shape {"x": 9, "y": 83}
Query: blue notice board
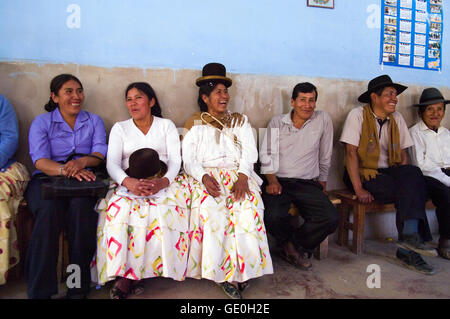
{"x": 411, "y": 33}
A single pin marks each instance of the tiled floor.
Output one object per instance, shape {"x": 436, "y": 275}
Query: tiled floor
{"x": 342, "y": 275}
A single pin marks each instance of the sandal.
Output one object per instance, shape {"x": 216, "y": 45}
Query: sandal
{"x": 230, "y": 290}
{"x": 297, "y": 262}
{"x": 116, "y": 293}
{"x": 137, "y": 287}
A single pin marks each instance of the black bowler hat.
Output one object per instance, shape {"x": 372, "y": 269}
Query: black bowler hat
{"x": 145, "y": 163}
{"x": 431, "y": 96}
{"x": 214, "y": 72}
{"x": 379, "y": 82}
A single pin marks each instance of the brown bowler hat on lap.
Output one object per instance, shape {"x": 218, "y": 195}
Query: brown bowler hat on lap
{"x": 145, "y": 163}
{"x": 214, "y": 72}
{"x": 431, "y": 96}
{"x": 379, "y": 82}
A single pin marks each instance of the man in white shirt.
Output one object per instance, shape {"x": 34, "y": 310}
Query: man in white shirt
{"x": 295, "y": 158}
{"x": 431, "y": 153}
{"x": 376, "y": 138}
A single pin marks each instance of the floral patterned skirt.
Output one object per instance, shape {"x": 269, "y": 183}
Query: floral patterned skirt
{"x": 140, "y": 238}
{"x": 228, "y": 240}
{"x": 13, "y": 182}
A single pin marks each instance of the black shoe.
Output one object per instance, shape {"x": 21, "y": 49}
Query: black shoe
{"x": 415, "y": 243}
{"x": 231, "y": 290}
{"x": 414, "y": 261}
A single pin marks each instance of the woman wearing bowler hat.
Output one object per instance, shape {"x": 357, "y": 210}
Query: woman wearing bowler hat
{"x": 431, "y": 152}
{"x": 143, "y": 222}
{"x": 228, "y": 237}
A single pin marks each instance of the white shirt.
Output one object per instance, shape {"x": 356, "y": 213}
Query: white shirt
{"x": 303, "y": 153}
{"x": 431, "y": 151}
{"x": 351, "y": 133}
{"x": 125, "y": 138}
{"x": 201, "y": 150}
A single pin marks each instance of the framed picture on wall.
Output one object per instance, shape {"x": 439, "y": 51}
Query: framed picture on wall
{"x": 321, "y": 3}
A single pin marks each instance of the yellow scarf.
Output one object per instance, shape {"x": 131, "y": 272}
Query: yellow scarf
{"x": 369, "y": 145}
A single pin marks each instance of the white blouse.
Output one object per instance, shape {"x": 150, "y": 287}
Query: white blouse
{"x": 204, "y": 146}
{"x": 431, "y": 151}
{"x": 125, "y": 138}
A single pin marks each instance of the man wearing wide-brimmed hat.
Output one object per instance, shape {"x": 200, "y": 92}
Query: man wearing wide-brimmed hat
{"x": 376, "y": 138}
{"x": 431, "y": 153}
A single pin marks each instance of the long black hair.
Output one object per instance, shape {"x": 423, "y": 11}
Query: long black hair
{"x": 147, "y": 90}
{"x": 55, "y": 85}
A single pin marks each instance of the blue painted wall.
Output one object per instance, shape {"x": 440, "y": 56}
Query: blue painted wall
{"x": 260, "y": 37}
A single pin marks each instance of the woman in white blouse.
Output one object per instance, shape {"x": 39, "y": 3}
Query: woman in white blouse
{"x": 143, "y": 222}
{"x": 431, "y": 152}
{"x": 228, "y": 237}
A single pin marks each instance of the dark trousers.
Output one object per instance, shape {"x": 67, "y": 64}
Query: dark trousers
{"x": 440, "y": 196}
{"x": 79, "y": 220}
{"x": 405, "y": 187}
{"x": 321, "y": 217}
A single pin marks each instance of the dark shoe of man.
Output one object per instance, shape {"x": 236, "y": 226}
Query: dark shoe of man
{"x": 414, "y": 261}
{"x": 415, "y": 243}
{"x": 298, "y": 259}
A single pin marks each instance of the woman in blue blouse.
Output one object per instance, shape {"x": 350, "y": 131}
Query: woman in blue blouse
{"x": 53, "y": 136}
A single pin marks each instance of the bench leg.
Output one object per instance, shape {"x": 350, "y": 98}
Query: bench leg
{"x": 358, "y": 229}
{"x": 322, "y": 251}
{"x": 343, "y": 210}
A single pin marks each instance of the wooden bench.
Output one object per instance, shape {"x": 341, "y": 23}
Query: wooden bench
{"x": 25, "y": 222}
{"x": 321, "y": 252}
{"x": 349, "y": 200}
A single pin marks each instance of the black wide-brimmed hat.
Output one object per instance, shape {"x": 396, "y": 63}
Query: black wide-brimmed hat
{"x": 214, "y": 72}
{"x": 431, "y": 96}
{"x": 145, "y": 163}
{"x": 378, "y": 83}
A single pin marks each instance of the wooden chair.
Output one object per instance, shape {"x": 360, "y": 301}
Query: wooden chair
{"x": 350, "y": 201}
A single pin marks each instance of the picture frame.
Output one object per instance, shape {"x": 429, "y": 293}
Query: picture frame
{"x": 329, "y": 4}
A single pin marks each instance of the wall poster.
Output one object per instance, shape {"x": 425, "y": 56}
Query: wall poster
{"x": 411, "y": 33}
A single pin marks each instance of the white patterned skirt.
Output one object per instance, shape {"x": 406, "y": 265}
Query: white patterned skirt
{"x": 141, "y": 238}
{"x": 13, "y": 183}
{"x": 228, "y": 240}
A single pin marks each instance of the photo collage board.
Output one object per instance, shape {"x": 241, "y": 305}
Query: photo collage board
{"x": 411, "y": 33}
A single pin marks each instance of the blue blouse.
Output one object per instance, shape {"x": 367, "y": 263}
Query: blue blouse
{"x": 51, "y": 137}
{"x": 9, "y": 133}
